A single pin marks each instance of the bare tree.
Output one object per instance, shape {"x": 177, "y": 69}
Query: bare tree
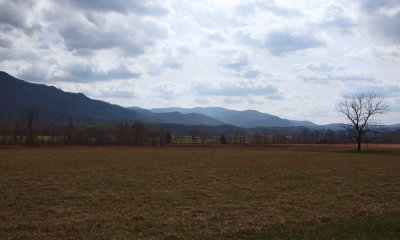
{"x": 360, "y": 110}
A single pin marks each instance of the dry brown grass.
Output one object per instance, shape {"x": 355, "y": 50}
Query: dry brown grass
{"x": 218, "y": 192}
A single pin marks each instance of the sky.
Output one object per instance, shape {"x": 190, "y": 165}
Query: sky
{"x": 293, "y": 59}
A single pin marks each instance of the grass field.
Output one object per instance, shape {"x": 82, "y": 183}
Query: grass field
{"x": 209, "y": 192}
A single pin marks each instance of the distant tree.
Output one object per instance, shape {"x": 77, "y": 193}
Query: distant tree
{"x": 306, "y": 136}
{"x": 122, "y": 133}
{"x": 243, "y": 135}
{"x": 70, "y": 131}
{"x": 329, "y": 137}
{"x": 360, "y": 110}
{"x": 17, "y": 131}
{"x": 265, "y": 135}
{"x": 236, "y": 136}
{"x": 53, "y": 132}
{"x": 276, "y": 137}
{"x": 161, "y": 132}
{"x": 194, "y": 134}
{"x": 222, "y": 139}
{"x": 138, "y": 132}
{"x": 153, "y": 137}
{"x": 257, "y": 138}
{"x": 31, "y": 115}
{"x": 168, "y": 138}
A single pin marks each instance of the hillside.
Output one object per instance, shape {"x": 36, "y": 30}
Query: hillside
{"x": 56, "y": 105}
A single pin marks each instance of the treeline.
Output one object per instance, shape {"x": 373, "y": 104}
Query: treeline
{"x": 30, "y": 130}
{"x": 43, "y": 133}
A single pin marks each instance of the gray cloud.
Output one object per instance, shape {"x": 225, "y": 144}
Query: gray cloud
{"x": 12, "y": 14}
{"x": 251, "y": 73}
{"x": 248, "y": 9}
{"x": 184, "y": 50}
{"x": 384, "y": 89}
{"x": 245, "y": 9}
{"x": 390, "y": 26}
{"x": 246, "y": 39}
{"x": 9, "y": 52}
{"x": 5, "y": 43}
{"x": 233, "y": 91}
{"x": 155, "y": 70}
{"x": 339, "y": 22}
{"x": 380, "y": 21}
{"x": 386, "y": 54}
{"x": 231, "y": 100}
{"x": 217, "y": 36}
{"x": 76, "y": 73}
{"x": 237, "y": 63}
{"x": 172, "y": 63}
{"x": 277, "y": 10}
{"x": 122, "y": 6}
{"x": 335, "y": 18}
{"x": 166, "y": 91}
{"x": 320, "y": 67}
{"x": 220, "y": 19}
{"x": 202, "y": 101}
{"x": 280, "y": 43}
{"x": 34, "y": 74}
{"x": 83, "y": 37}
{"x": 117, "y": 94}
{"x": 239, "y": 66}
{"x": 82, "y": 73}
{"x": 323, "y": 72}
{"x": 374, "y": 5}
{"x": 342, "y": 78}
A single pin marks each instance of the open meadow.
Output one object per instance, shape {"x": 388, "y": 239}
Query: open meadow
{"x": 200, "y": 192}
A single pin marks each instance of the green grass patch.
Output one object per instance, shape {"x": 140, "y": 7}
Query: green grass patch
{"x": 359, "y": 227}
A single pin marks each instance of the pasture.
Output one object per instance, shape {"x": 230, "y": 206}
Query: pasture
{"x": 200, "y": 192}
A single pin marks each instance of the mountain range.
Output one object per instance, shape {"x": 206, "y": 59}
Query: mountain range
{"x": 56, "y": 105}
{"x": 245, "y": 119}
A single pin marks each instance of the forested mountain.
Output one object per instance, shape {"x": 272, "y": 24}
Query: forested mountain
{"x": 56, "y": 105}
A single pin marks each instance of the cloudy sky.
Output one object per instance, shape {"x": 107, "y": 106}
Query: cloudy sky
{"x": 294, "y": 59}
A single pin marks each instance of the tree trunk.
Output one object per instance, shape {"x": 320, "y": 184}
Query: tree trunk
{"x": 359, "y": 146}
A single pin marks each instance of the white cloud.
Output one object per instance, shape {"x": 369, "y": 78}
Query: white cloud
{"x": 322, "y": 72}
{"x": 252, "y": 53}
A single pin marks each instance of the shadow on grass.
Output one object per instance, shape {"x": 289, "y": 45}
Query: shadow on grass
{"x": 360, "y": 227}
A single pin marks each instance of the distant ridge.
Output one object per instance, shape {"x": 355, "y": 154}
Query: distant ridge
{"x": 56, "y": 105}
{"x": 246, "y": 119}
